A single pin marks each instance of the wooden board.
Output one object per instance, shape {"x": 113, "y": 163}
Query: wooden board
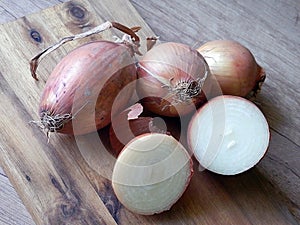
{"x": 57, "y": 183}
{"x": 12, "y": 209}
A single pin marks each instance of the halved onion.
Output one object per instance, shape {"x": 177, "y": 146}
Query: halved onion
{"x": 151, "y": 173}
{"x": 228, "y": 135}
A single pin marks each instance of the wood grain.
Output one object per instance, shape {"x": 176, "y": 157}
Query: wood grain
{"x": 12, "y": 209}
{"x": 35, "y": 166}
{"x": 66, "y": 201}
{"x": 75, "y": 189}
{"x": 271, "y": 30}
{"x": 11, "y": 10}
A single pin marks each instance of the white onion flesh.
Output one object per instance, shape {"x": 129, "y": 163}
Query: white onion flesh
{"x": 228, "y": 135}
{"x": 151, "y": 173}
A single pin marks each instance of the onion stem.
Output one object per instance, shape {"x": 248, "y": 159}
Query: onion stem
{"x": 34, "y": 62}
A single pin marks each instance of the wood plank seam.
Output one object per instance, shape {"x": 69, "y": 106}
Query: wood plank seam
{"x": 285, "y": 136}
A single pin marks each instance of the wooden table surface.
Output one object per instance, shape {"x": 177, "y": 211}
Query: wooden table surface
{"x": 270, "y": 28}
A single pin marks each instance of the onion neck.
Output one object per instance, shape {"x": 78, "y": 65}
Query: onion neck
{"x": 183, "y": 91}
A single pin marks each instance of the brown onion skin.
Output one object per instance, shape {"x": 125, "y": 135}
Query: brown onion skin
{"x": 130, "y": 129}
{"x": 243, "y": 75}
{"x": 170, "y": 63}
{"x": 92, "y": 74}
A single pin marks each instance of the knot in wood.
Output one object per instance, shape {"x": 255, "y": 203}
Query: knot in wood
{"x": 35, "y": 35}
{"x": 69, "y": 208}
{"x": 77, "y": 12}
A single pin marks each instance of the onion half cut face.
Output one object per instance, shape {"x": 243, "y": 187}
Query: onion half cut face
{"x": 228, "y": 135}
{"x": 151, "y": 173}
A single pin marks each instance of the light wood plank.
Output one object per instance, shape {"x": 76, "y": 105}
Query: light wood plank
{"x": 65, "y": 203}
{"x": 56, "y": 171}
{"x": 12, "y": 210}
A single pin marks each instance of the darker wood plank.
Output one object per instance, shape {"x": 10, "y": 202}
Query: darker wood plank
{"x": 256, "y": 195}
{"x": 283, "y": 172}
{"x": 12, "y": 210}
{"x": 11, "y": 10}
{"x": 268, "y": 28}
{"x": 2, "y": 172}
{"x": 5, "y": 16}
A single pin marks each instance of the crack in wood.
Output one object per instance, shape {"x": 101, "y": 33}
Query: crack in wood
{"x": 283, "y": 164}
{"x": 110, "y": 201}
{"x": 4, "y": 175}
{"x": 284, "y": 136}
{"x": 297, "y": 17}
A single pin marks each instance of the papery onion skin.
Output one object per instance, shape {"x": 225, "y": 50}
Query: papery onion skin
{"x": 129, "y": 129}
{"x": 234, "y": 67}
{"x": 94, "y": 73}
{"x": 172, "y": 79}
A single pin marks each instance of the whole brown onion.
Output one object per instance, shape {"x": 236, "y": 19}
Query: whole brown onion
{"x": 172, "y": 79}
{"x": 96, "y": 84}
{"x": 79, "y": 93}
{"x": 234, "y": 67}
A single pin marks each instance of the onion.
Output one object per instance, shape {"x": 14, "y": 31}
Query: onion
{"x": 151, "y": 173}
{"x": 228, "y": 135}
{"x": 234, "y": 67}
{"x": 84, "y": 84}
{"x": 123, "y": 130}
{"x": 172, "y": 79}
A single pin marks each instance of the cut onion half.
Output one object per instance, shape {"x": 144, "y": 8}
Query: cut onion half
{"x": 151, "y": 173}
{"x": 228, "y": 135}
